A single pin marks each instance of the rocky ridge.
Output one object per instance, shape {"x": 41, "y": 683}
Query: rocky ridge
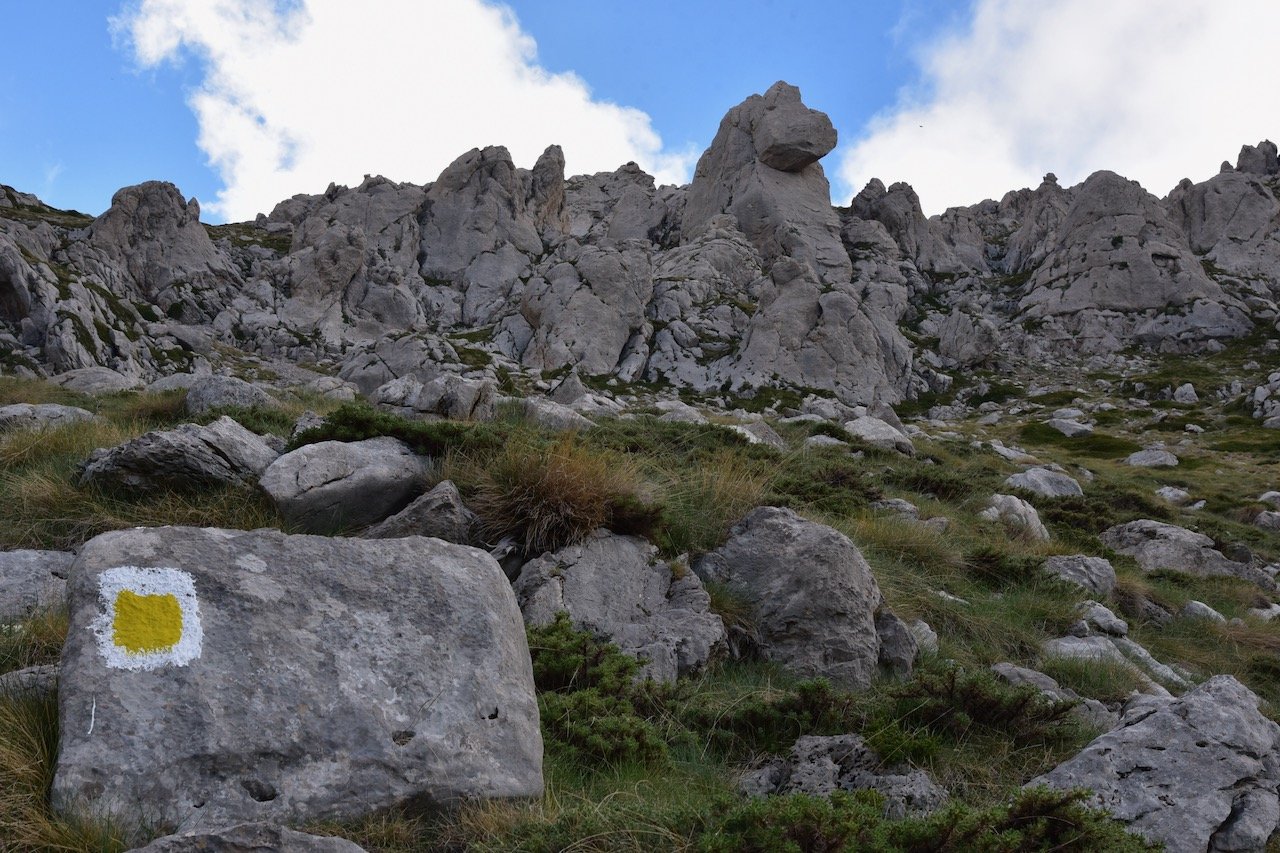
{"x": 746, "y": 278}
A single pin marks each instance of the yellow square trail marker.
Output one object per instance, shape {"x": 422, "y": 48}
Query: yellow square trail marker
{"x": 146, "y": 623}
{"x": 149, "y": 618}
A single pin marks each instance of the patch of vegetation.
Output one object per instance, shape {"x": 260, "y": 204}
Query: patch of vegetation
{"x": 586, "y": 698}
{"x": 28, "y": 749}
{"x": 34, "y": 641}
{"x": 1098, "y": 444}
{"x": 830, "y": 483}
{"x": 1106, "y": 681}
{"x": 359, "y": 421}
{"x": 547, "y": 496}
{"x": 997, "y": 392}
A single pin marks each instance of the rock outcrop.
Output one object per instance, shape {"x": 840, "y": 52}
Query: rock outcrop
{"x": 1196, "y": 773}
{"x": 215, "y": 676}
{"x": 818, "y": 618}
{"x": 616, "y": 588}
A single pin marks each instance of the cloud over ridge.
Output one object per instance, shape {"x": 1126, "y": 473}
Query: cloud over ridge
{"x": 300, "y": 94}
{"x": 1154, "y": 91}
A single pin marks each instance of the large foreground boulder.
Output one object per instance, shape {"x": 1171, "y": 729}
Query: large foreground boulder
{"x": 332, "y": 485}
{"x": 617, "y": 588}
{"x": 812, "y": 596}
{"x": 186, "y": 458}
{"x": 1198, "y": 773}
{"x": 217, "y": 676}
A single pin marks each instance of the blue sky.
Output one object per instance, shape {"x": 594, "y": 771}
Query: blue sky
{"x": 244, "y": 102}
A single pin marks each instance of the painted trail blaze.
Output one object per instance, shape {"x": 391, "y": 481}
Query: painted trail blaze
{"x": 149, "y": 617}
{"x": 146, "y": 623}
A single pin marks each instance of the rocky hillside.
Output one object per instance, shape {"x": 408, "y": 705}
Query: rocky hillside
{"x": 524, "y": 512}
{"x": 746, "y": 278}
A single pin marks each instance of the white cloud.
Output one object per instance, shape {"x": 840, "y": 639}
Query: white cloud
{"x": 295, "y": 96}
{"x": 1154, "y": 91}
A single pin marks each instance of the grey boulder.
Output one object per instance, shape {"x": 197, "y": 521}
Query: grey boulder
{"x": 95, "y": 380}
{"x": 812, "y": 594}
{"x": 1198, "y": 773}
{"x": 207, "y": 393}
{"x": 214, "y": 676}
{"x": 1152, "y": 458}
{"x": 41, "y": 416}
{"x": 820, "y": 766}
{"x": 1018, "y": 517}
{"x": 880, "y": 434}
{"x": 449, "y": 396}
{"x": 1094, "y": 574}
{"x": 331, "y": 485}
{"x": 1159, "y": 546}
{"x": 616, "y": 588}
{"x": 184, "y": 458}
{"x": 439, "y": 513}
{"x": 1069, "y": 428}
{"x": 32, "y": 581}
{"x": 1045, "y": 483}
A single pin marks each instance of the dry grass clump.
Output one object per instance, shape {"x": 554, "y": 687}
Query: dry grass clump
{"x": 28, "y": 750}
{"x": 702, "y": 502}
{"x": 547, "y": 496}
{"x": 36, "y": 640}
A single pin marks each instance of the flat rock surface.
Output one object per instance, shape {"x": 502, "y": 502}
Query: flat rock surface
{"x": 1196, "y": 773}
{"x": 31, "y": 581}
{"x": 214, "y": 676}
{"x": 251, "y": 838}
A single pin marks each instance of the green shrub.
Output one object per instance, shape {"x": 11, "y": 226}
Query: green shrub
{"x": 587, "y": 695}
{"x": 770, "y": 720}
{"x": 999, "y": 568}
{"x": 593, "y": 728}
{"x": 264, "y": 420}
{"x": 831, "y": 484}
{"x": 801, "y": 824}
{"x": 358, "y": 421}
{"x": 943, "y": 482}
{"x": 1036, "y": 819}
{"x": 951, "y": 701}
{"x": 566, "y": 659}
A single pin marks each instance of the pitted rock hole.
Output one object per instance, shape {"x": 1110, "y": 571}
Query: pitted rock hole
{"x": 259, "y": 790}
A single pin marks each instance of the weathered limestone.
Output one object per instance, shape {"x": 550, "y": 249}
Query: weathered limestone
{"x": 1139, "y": 771}
{"x": 331, "y": 485}
{"x": 188, "y": 457}
{"x": 818, "y": 618}
{"x": 617, "y": 588}
{"x": 254, "y": 676}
